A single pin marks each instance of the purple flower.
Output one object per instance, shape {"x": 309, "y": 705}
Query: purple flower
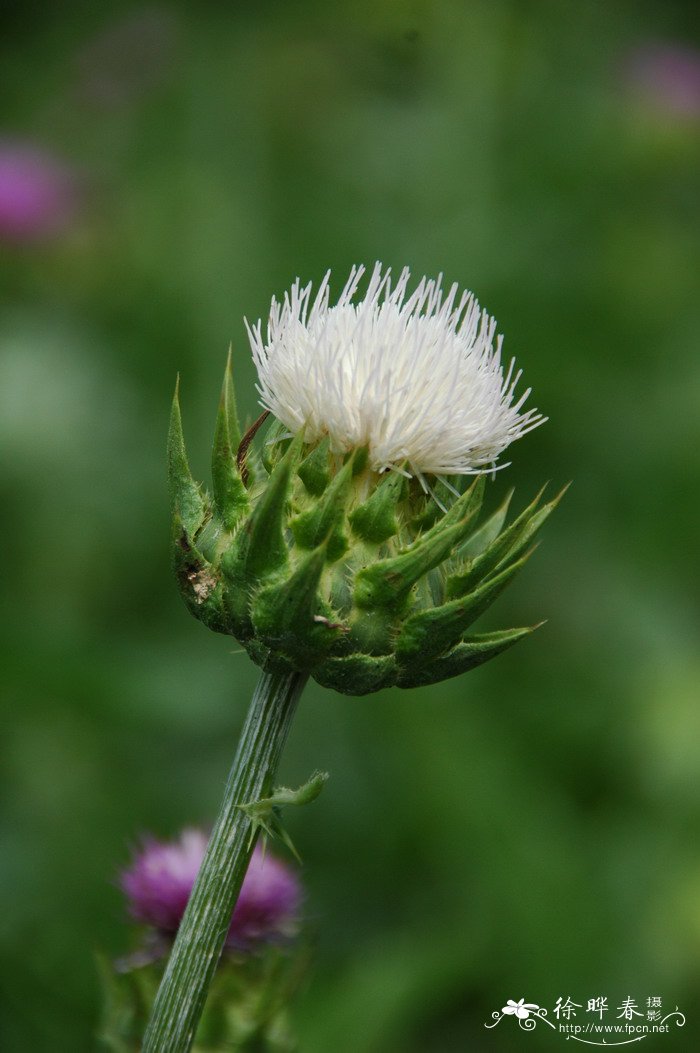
{"x": 668, "y": 76}
{"x": 37, "y": 192}
{"x": 268, "y": 905}
{"x": 160, "y": 880}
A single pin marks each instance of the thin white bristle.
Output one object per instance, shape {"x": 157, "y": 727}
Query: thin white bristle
{"x": 416, "y": 378}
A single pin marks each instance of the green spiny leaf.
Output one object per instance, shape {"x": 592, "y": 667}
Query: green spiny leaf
{"x": 264, "y": 812}
{"x": 304, "y": 794}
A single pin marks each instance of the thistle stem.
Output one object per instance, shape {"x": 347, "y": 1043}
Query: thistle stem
{"x": 205, "y": 923}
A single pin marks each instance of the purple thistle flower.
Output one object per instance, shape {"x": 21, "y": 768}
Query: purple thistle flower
{"x": 159, "y": 882}
{"x": 268, "y": 905}
{"x": 37, "y": 192}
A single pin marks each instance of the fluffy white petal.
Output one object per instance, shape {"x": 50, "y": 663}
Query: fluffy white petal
{"x": 416, "y": 376}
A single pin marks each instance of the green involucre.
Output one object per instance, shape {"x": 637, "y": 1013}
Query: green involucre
{"x": 316, "y": 564}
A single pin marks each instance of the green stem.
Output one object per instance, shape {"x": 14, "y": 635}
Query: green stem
{"x": 205, "y": 923}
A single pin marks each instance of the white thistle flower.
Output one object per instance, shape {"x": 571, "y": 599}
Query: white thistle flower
{"x": 315, "y": 563}
{"x": 415, "y": 378}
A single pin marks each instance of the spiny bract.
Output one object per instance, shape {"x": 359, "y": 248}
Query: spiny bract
{"x": 318, "y": 563}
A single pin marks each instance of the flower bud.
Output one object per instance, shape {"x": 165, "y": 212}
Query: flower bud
{"x": 261, "y": 968}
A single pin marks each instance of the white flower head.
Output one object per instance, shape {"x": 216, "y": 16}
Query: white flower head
{"x": 416, "y": 377}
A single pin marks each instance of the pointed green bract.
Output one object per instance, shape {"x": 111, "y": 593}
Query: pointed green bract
{"x": 486, "y": 533}
{"x": 291, "y": 617}
{"x": 265, "y": 543}
{"x": 273, "y": 448}
{"x": 360, "y": 458}
{"x": 259, "y": 549}
{"x": 375, "y": 520}
{"x": 200, "y": 583}
{"x": 230, "y": 495}
{"x": 314, "y": 470}
{"x": 496, "y": 553}
{"x": 503, "y": 544}
{"x": 506, "y": 548}
{"x": 429, "y": 504}
{"x": 531, "y": 528}
{"x": 323, "y": 522}
{"x": 467, "y": 505}
{"x": 386, "y": 583}
{"x": 280, "y": 607}
{"x": 472, "y": 652}
{"x": 186, "y": 499}
{"x": 432, "y": 631}
{"x": 228, "y": 398}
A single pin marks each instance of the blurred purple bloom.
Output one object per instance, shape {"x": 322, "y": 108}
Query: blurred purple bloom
{"x": 668, "y": 75}
{"x": 268, "y": 906}
{"x": 160, "y": 880}
{"x": 37, "y": 192}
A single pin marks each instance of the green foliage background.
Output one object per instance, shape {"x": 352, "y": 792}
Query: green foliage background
{"x": 529, "y": 830}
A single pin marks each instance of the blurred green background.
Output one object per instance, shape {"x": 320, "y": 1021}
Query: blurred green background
{"x": 529, "y": 830}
